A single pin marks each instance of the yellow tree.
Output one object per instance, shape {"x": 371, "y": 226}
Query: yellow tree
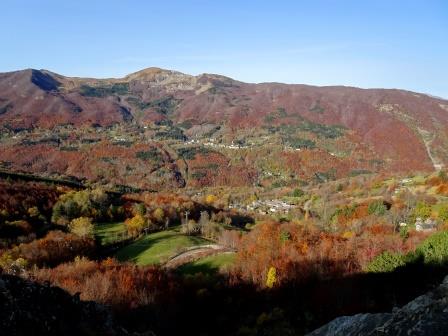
{"x": 158, "y": 215}
{"x": 271, "y": 278}
{"x": 81, "y": 227}
{"x": 135, "y": 225}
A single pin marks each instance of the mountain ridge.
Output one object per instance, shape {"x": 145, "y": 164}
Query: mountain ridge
{"x": 364, "y": 129}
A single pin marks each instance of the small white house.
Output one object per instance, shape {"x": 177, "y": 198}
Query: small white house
{"x": 425, "y": 226}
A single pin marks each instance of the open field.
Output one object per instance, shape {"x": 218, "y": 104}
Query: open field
{"x": 109, "y": 233}
{"x": 208, "y": 265}
{"x": 157, "y": 247}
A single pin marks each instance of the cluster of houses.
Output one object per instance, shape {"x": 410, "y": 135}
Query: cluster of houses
{"x": 423, "y": 225}
{"x": 265, "y": 207}
{"x": 211, "y": 142}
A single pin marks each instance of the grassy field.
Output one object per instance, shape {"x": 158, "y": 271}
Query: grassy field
{"x": 208, "y": 265}
{"x": 158, "y": 247}
{"x": 110, "y": 232}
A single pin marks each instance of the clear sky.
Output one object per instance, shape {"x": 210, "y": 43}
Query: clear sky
{"x": 376, "y": 43}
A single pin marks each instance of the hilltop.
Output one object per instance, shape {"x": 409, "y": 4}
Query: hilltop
{"x": 211, "y": 130}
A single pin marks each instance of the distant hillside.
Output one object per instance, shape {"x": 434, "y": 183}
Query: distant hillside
{"x": 345, "y": 128}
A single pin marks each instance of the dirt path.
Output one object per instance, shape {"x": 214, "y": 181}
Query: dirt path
{"x": 428, "y": 138}
{"x": 195, "y": 253}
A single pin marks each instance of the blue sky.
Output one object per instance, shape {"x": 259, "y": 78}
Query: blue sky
{"x": 390, "y": 43}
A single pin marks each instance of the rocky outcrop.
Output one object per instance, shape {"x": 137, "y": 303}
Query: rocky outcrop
{"x": 427, "y": 315}
{"x": 27, "y": 308}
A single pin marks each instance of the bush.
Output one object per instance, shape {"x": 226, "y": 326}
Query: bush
{"x": 434, "y": 249}
{"x": 109, "y": 282}
{"x": 422, "y": 210}
{"x": 377, "y": 208}
{"x": 404, "y": 232}
{"x": 443, "y": 212}
{"x": 189, "y": 153}
{"x": 158, "y": 215}
{"x": 298, "y": 192}
{"x": 82, "y": 227}
{"x": 301, "y": 143}
{"x": 135, "y": 225}
{"x": 56, "y": 247}
{"x": 139, "y": 209}
{"x": 386, "y": 262}
{"x": 94, "y": 204}
{"x": 151, "y": 154}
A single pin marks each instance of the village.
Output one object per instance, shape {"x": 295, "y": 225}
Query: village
{"x": 265, "y": 207}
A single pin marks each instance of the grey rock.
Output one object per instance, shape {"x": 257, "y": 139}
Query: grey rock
{"x": 427, "y": 315}
{"x": 360, "y": 324}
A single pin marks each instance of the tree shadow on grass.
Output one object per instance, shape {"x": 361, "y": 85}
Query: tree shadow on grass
{"x": 136, "y": 249}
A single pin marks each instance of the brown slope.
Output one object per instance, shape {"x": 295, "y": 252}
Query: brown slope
{"x": 389, "y": 121}
{"x": 385, "y": 119}
{"x": 33, "y": 98}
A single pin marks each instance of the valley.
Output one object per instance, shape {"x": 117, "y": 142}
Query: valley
{"x": 263, "y": 208}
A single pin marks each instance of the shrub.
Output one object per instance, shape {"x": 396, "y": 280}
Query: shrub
{"x": 386, "y": 262}
{"x": 404, "y": 232}
{"x": 301, "y": 143}
{"x": 171, "y": 133}
{"x": 158, "y": 215}
{"x": 54, "y": 248}
{"x": 298, "y": 192}
{"x": 377, "y": 208}
{"x": 348, "y": 234}
{"x": 443, "y": 212}
{"x": 434, "y": 249}
{"x": 443, "y": 176}
{"x": 139, "y": 209}
{"x": 210, "y": 199}
{"x": 109, "y": 282}
{"x": 189, "y": 153}
{"x": 149, "y": 155}
{"x": 82, "y": 227}
{"x": 135, "y": 225}
{"x": 422, "y": 210}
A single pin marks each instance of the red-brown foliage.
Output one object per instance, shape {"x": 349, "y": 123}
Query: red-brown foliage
{"x": 56, "y": 247}
{"x": 297, "y": 254}
{"x": 17, "y": 197}
{"x": 300, "y": 254}
{"x": 109, "y": 282}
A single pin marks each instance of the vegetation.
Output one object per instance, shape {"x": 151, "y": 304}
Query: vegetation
{"x": 109, "y": 233}
{"x": 189, "y": 153}
{"x": 153, "y": 154}
{"x": 386, "y": 262}
{"x": 300, "y": 143}
{"x": 95, "y": 204}
{"x": 347, "y": 236}
{"x": 158, "y": 247}
{"x": 321, "y": 130}
{"x": 135, "y": 225}
{"x": 377, "y": 208}
{"x": 82, "y": 227}
{"x": 104, "y": 90}
{"x": 208, "y": 265}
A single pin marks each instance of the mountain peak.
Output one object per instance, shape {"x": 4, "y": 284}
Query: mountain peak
{"x": 152, "y": 74}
